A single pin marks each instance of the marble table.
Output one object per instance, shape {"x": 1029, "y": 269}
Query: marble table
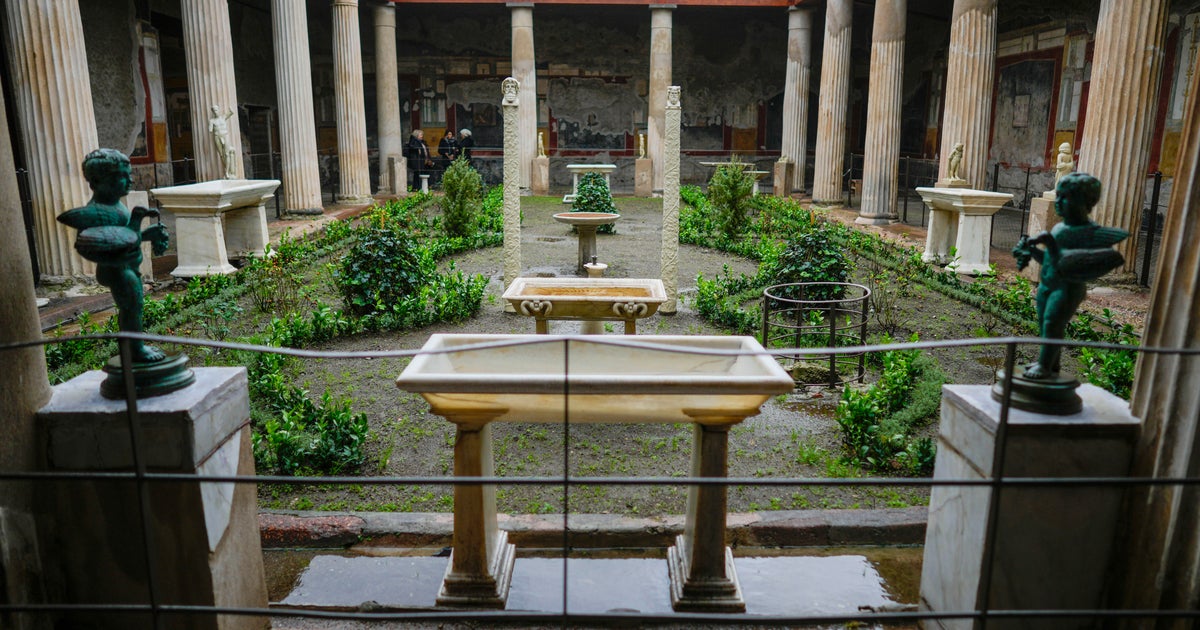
{"x": 215, "y": 220}
{"x": 962, "y": 218}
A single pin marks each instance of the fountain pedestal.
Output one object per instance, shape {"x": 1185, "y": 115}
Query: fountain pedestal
{"x": 586, "y": 223}
{"x": 960, "y": 218}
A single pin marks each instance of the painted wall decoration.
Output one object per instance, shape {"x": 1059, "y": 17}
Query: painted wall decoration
{"x": 1021, "y": 127}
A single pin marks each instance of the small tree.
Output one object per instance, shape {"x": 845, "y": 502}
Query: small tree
{"x": 814, "y": 257}
{"x": 463, "y": 188}
{"x": 594, "y": 196}
{"x": 729, "y": 191}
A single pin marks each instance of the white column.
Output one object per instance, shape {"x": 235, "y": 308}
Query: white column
{"x": 885, "y": 97}
{"x": 297, "y": 124}
{"x": 795, "y": 94}
{"x": 511, "y": 105}
{"x": 970, "y": 66}
{"x": 660, "y": 80}
{"x": 1159, "y": 563}
{"x": 54, "y": 113}
{"x": 354, "y": 183}
{"x": 526, "y": 75}
{"x": 1121, "y": 108}
{"x": 835, "y": 94}
{"x": 387, "y": 96}
{"x": 208, "y": 47}
{"x": 670, "y": 228}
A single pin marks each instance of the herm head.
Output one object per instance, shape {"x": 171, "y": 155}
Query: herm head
{"x": 1075, "y": 195}
{"x": 108, "y": 173}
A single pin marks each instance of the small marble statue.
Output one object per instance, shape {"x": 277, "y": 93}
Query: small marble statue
{"x": 541, "y": 144}
{"x": 955, "y": 162}
{"x": 1064, "y": 164}
{"x": 218, "y": 126}
{"x": 110, "y": 235}
{"x": 1075, "y": 251}
{"x": 641, "y": 146}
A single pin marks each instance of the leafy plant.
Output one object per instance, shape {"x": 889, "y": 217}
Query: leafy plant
{"x": 813, "y": 257}
{"x": 384, "y": 267}
{"x": 463, "y": 188}
{"x": 729, "y": 190}
{"x": 593, "y": 195}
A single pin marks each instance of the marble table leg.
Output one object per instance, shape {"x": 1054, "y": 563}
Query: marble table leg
{"x": 973, "y": 241}
{"x": 200, "y": 241}
{"x": 246, "y": 231}
{"x": 703, "y": 578}
{"x": 940, "y": 236}
{"x": 481, "y": 562}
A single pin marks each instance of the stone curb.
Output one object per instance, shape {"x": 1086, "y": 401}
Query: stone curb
{"x": 784, "y": 528}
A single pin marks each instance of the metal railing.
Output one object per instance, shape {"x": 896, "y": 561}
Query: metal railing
{"x": 162, "y": 613}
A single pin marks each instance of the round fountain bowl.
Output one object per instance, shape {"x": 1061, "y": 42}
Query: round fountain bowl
{"x": 586, "y": 218}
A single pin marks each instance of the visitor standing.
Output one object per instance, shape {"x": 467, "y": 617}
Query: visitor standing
{"x": 466, "y": 142}
{"x": 419, "y": 160}
{"x": 447, "y": 150}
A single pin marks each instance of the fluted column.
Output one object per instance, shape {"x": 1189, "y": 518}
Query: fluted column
{"x": 1158, "y": 564}
{"x": 885, "y": 97}
{"x": 354, "y": 182}
{"x": 670, "y": 220}
{"x": 208, "y": 48}
{"x": 660, "y": 80}
{"x": 1121, "y": 107}
{"x": 387, "y": 95}
{"x": 510, "y": 105}
{"x": 970, "y": 66}
{"x": 835, "y": 94}
{"x": 795, "y": 94}
{"x": 54, "y": 110}
{"x": 526, "y": 75}
{"x": 297, "y": 124}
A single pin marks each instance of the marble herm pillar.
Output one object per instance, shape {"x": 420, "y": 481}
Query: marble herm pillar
{"x": 53, "y": 102}
{"x": 969, "y": 71}
{"x": 885, "y": 98}
{"x": 511, "y": 105}
{"x": 387, "y": 96}
{"x": 353, "y": 172}
{"x": 660, "y": 80}
{"x": 297, "y": 123}
{"x": 835, "y": 95}
{"x": 795, "y": 99}
{"x": 208, "y": 47}
{"x": 670, "y": 228}
{"x": 525, "y": 73}
{"x": 1121, "y": 109}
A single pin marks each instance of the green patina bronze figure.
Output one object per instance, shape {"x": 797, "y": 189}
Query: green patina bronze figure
{"x": 1073, "y": 252}
{"x": 111, "y": 236}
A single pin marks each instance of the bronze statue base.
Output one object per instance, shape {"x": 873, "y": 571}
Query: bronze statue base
{"x": 1054, "y": 395}
{"x": 149, "y": 379}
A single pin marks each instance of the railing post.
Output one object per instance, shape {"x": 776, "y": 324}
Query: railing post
{"x": 906, "y": 188}
{"x": 1151, "y": 228}
{"x": 996, "y": 177}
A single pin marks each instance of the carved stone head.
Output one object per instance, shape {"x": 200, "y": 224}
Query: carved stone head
{"x": 510, "y": 87}
{"x": 673, "y": 96}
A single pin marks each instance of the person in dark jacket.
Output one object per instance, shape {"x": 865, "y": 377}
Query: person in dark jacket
{"x": 447, "y": 151}
{"x": 419, "y": 160}
{"x": 466, "y": 142}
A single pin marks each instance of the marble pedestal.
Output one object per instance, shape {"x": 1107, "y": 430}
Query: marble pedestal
{"x": 398, "y": 171}
{"x": 1052, "y": 544}
{"x": 783, "y": 178}
{"x": 216, "y": 220}
{"x": 204, "y": 536}
{"x": 643, "y": 177}
{"x": 539, "y": 176}
{"x": 960, "y": 218}
{"x": 1041, "y": 218}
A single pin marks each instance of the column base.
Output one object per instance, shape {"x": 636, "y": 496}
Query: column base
{"x": 883, "y": 219}
{"x": 707, "y": 594}
{"x": 481, "y": 591}
{"x": 305, "y": 211}
{"x": 354, "y": 200}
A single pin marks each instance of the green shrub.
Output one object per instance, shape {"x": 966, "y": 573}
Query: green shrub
{"x": 312, "y": 438}
{"x": 383, "y": 267}
{"x": 594, "y": 196}
{"x": 813, "y": 257}
{"x": 729, "y": 190}
{"x": 463, "y": 188}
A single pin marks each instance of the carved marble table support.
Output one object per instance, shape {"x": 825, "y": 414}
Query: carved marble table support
{"x": 215, "y": 220}
{"x": 962, "y": 217}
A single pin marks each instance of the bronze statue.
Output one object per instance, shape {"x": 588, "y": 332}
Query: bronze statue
{"x": 111, "y": 236}
{"x": 1073, "y": 252}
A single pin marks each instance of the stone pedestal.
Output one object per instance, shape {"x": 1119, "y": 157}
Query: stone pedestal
{"x": 539, "y": 177}
{"x": 670, "y": 223}
{"x": 205, "y": 541}
{"x": 1041, "y": 218}
{"x": 511, "y": 105}
{"x": 215, "y": 220}
{"x": 1052, "y": 544}
{"x": 397, "y": 167}
{"x": 643, "y": 177}
{"x": 783, "y": 175}
{"x": 962, "y": 218}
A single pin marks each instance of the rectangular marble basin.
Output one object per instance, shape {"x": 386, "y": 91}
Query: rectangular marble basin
{"x": 703, "y": 379}
{"x": 586, "y": 298}
{"x": 218, "y": 195}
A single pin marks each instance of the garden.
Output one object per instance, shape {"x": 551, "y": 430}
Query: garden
{"x": 425, "y": 264}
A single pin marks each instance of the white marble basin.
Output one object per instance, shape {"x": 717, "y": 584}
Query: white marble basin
{"x": 624, "y": 299}
{"x": 586, "y": 218}
{"x": 964, "y": 200}
{"x": 645, "y": 379}
{"x": 217, "y": 195}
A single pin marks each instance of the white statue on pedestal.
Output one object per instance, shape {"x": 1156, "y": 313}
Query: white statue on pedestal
{"x": 641, "y": 146}
{"x": 541, "y": 144}
{"x": 1065, "y": 162}
{"x": 218, "y": 126}
{"x": 955, "y": 163}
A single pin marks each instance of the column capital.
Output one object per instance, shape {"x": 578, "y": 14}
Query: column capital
{"x": 519, "y": 5}
{"x": 345, "y": 3}
{"x": 668, "y": 7}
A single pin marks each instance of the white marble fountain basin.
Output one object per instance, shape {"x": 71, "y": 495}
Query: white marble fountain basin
{"x": 703, "y": 379}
